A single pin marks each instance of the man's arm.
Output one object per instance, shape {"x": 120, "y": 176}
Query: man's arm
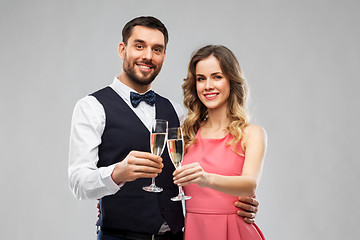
{"x": 87, "y": 181}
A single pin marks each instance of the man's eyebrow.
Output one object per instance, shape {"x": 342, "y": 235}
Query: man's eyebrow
{"x": 162, "y": 46}
{"x": 139, "y": 41}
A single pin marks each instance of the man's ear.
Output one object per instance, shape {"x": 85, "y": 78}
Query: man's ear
{"x": 121, "y": 50}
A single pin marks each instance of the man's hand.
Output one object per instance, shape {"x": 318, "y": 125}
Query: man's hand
{"x": 98, "y": 209}
{"x": 248, "y": 208}
{"x": 137, "y": 165}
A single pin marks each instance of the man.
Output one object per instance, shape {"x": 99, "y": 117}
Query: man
{"x": 109, "y": 155}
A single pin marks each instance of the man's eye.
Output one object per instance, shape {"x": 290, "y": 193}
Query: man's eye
{"x": 158, "y": 50}
{"x": 139, "y": 46}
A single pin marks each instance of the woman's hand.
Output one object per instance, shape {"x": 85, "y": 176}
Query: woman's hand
{"x": 189, "y": 174}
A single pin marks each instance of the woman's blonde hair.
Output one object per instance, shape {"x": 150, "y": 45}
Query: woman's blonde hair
{"x": 197, "y": 112}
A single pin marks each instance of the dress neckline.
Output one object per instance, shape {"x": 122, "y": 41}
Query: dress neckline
{"x": 211, "y": 139}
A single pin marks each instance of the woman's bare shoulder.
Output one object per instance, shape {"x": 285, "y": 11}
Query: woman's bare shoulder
{"x": 254, "y": 130}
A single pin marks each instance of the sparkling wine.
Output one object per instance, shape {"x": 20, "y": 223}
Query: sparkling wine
{"x": 157, "y": 143}
{"x": 175, "y": 148}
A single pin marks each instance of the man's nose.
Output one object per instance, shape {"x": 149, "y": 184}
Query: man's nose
{"x": 147, "y": 54}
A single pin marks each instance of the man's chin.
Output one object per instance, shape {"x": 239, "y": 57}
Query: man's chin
{"x": 142, "y": 78}
{"x": 144, "y": 81}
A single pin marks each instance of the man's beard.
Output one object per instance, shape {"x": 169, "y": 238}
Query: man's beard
{"x": 145, "y": 79}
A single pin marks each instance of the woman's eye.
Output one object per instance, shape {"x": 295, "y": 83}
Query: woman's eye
{"x": 218, "y": 77}
{"x": 200, "y": 79}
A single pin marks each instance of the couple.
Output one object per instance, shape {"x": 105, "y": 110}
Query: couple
{"x": 110, "y": 159}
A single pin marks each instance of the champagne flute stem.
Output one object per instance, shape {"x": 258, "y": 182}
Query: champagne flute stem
{"x": 153, "y": 181}
{"x": 183, "y": 206}
{"x": 181, "y": 193}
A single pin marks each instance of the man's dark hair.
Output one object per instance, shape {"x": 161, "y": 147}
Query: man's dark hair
{"x": 144, "y": 21}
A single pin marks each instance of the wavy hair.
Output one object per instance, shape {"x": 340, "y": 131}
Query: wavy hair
{"x": 197, "y": 111}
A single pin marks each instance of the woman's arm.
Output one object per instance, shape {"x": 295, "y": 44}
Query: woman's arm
{"x": 244, "y": 185}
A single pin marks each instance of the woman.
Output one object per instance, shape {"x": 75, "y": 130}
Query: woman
{"x": 224, "y": 152}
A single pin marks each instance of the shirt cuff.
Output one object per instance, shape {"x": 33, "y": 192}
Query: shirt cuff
{"x": 108, "y": 181}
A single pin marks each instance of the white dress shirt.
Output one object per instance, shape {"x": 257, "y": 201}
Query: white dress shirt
{"x": 87, "y": 181}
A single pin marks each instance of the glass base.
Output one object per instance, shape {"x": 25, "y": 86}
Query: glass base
{"x": 180, "y": 197}
{"x": 153, "y": 188}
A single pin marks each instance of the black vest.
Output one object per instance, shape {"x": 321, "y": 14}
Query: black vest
{"x": 132, "y": 208}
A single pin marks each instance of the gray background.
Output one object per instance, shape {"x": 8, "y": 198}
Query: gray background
{"x": 301, "y": 59}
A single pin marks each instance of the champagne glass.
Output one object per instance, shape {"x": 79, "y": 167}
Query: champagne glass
{"x": 175, "y": 145}
{"x": 157, "y": 144}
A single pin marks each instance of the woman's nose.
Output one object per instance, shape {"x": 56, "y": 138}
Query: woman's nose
{"x": 209, "y": 84}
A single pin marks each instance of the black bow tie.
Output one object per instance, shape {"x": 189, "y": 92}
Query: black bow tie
{"x": 148, "y": 97}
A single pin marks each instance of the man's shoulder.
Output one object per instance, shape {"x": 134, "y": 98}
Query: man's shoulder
{"x": 102, "y": 91}
{"x": 89, "y": 101}
{"x": 160, "y": 96}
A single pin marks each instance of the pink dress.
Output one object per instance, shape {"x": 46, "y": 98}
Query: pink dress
{"x": 211, "y": 214}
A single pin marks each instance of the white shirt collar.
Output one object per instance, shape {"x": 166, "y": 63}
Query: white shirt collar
{"x": 122, "y": 89}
